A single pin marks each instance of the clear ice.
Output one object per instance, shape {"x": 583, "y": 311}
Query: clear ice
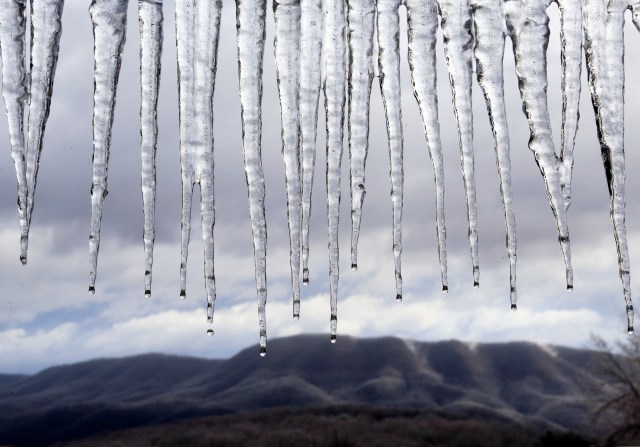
{"x": 109, "y": 18}
{"x": 15, "y": 93}
{"x": 361, "y": 18}
{"x": 423, "y": 22}
{"x": 150, "y": 18}
{"x": 46, "y": 29}
{"x": 311, "y": 32}
{"x": 287, "y": 50}
{"x": 604, "y": 50}
{"x": 334, "y": 71}
{"x": 197, "y": 31}
{"x": 250, "y": 28}
{"x": 388, "y": 26}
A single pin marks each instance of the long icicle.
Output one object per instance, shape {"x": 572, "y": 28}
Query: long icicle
{"x": 335, "y": 76}
{"x": 423, "y": 22}
{"x": 109, "y": 19}
{"x": 311, "y": 24}
{"x": 528, "y": 26}
{"x": 14, "y": 91}
{"x": 361, "y": 17}
{"x": 489, "y": 52}
{"x": 388, "y": 26}
{"x": 604, "y": 50}
{"x": 197, "y": 32}
{"x": 287, "y": 50}
{"x": 571, "y": 61}
{"x": 46, "y": 29}
{"x": 150, "y": 18}
{"x": 458, "y": 50}
{"x": 250, "y": 19}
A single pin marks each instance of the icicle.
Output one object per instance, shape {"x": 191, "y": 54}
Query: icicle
{"x": 423, "y": 22}
{"x": 571, "y": 60}
{"x": 311, "y": 22}
{"x": 528, "y": 26}
{"x": 458, "y": 50}
{"x": 335, "y": 76}
{"x": 109, "y": 19}
{"x": 250, "y": 19}
{"x": 361, "y": 17}
{"x": 46, "y": 28}
{"x": 388, "y": 26}
{"x": 604, "y": 49}
{"x": 150, "y": 18}
{"x": 287, "y": 50}
{"x": 14, "y": 91}
{"x": 197, "y": 31}
{"x": 489, "y": 52}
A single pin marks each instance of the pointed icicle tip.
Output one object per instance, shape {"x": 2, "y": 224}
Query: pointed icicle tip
{"x": 305, "y": 277}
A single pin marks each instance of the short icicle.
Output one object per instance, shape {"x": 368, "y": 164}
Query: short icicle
{"x": 361, "y": 18}
{"x": 489, "y": 53}
{"x": 528, "y": 25}
{"x": 109, "y": 19}
{"x": 197, "y": 32}
{"x": 604, "y": 50}
{"x": 335, "y": 77}
{"x": 458, "y": 50}
{"x": 46, "y": 29}
{"x": 571, "y": 61}
{"x": 150, "y": 18}
{"x": 311, "y": 24}
{"x": 423, "y": 22}
{"x": 388, "y": 26}
{"x": 14, "y": 91}
{"x": 287, "y": 51}
{"x": 250, "y": 19}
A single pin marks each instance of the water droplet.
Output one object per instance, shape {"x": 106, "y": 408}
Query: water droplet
{"x": 354, "y": 267}
{"x": 570, "y": 287}
{"x": 23, "y": 260}
{"x": 630, "y": 331}
{"x": 183, "y": 294}
{"x": 445, "y": 289}
{"x": 263, "y": 351}
{"x": 147, "y": 293}
{"x": 92, "y": 290}
{"x": 333, "y": 338}
{"x": 399, "y": 298}
{"x": 305, "y": 277}
{"x": 476, "y": 285}
{"x": 514, "y": 307}
{"x": 210, "y": 332}
{"x": 296, "y": 317}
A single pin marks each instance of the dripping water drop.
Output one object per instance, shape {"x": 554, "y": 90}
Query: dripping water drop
{"x": 147, "y": 293}
{"x": 333, "y": 338}
{"x": 476, "y": 285}
{"x": 23, "y": 259}
{"x": 209, "y": 332}
{"x": 92, "y": 290}
{"x": 514, "y": 307}
{"x": 183, "y": 294}
{"x": 630, "y": 331}
{"x": 399, "y": 298}
{"x": 445, "y": 289}
{"x": 263, "y": 351}
{"x": 354, "y": 267}
{"x": 570, "y": 287}
{"x": 296, "y": 317}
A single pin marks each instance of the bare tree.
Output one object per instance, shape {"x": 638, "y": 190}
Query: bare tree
{"x": 618, "y": 394}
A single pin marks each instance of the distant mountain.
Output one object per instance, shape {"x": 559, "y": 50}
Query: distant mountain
{"x": 518, "y": 382}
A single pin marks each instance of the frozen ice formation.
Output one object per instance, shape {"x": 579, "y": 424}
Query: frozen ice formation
{"x": 109, "y": 18}
{"x": 197, "y": 31}
{"x": 250, "y": 29}
{"x": 150, "y": 20}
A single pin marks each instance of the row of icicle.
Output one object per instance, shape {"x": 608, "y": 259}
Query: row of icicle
{"x": 331, "y": 45}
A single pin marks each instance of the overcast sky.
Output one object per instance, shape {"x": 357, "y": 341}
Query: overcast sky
{"x": 47, "y": 317}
